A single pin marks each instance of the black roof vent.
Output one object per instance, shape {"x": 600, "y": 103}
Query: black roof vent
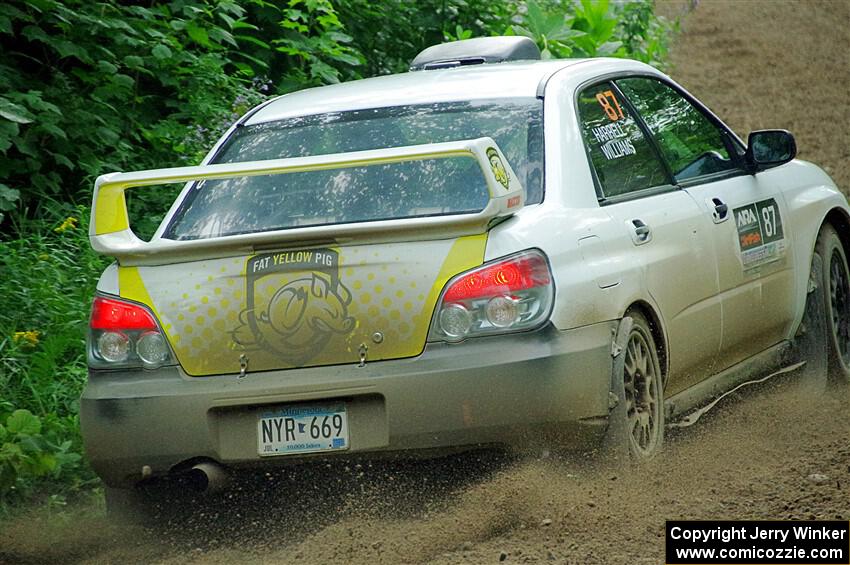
{"x": 475, "y": 52}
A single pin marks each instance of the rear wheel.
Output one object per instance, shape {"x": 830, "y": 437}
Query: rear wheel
{"x": 643, "y": 391}
{"x": 636, "y": 420}
{"x": 836, "y": 296}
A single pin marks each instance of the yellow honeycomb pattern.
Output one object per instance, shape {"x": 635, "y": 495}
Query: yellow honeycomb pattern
{"x": 391, "y": 289}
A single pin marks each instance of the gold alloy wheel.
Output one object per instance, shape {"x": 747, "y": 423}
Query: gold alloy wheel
{"x": 643, "y": 398}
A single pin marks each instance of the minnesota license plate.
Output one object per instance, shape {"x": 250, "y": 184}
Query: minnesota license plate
{"x": 302, "y": 429}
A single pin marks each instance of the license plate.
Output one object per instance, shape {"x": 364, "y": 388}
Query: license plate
{"x": 302, "y": 429}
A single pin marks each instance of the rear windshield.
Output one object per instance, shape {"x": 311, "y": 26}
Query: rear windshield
{"x": 456, "y": 185}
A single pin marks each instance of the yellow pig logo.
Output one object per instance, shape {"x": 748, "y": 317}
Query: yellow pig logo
{"x": 301, "y": 316}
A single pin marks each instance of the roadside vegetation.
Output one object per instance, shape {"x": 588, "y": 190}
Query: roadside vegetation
{"x": 92, "y": 87}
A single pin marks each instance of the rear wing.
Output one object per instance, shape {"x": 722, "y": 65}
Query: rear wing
{"x": 110, "y": 232}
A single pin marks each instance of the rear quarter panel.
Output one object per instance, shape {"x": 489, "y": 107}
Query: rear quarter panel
{"x": 593, "y": 281}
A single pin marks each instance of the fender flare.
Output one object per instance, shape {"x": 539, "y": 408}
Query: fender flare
{"x": 615, "y": 445}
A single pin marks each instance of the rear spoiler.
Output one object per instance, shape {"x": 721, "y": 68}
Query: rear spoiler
{"x": 110, "y": 232}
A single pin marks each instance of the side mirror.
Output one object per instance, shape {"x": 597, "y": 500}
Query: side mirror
{"x": 769, "y": 148}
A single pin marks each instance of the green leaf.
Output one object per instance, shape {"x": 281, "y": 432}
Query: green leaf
{"x": 14, "y": 112}
{"x": 124, "y": 81}
{"x": 324, "y": 72}
{"x": 244, "y": 68}
{"x": 198, "y": 34}
{"x": 161, "y": 52}
{"x": 134, "y": 61}
{"x": 3, "y": 432}
{"x": 244, "y": 25}
{"x": 608, "y": 48}
{"x": 62, "y": 160}
{"x": 227, "y": 19}
{"x": 23, "y": 422}
{"x": 14, "y": 117}
{"x": 53, "y": 130}
{"x": 254, "y": 40}
{"x": 45, "y": 463}
{"x": 69, "y": 49}
{"x": 8, "y": 130}
{"x": 107, "y": 67}
{"x": 347, "y": 59}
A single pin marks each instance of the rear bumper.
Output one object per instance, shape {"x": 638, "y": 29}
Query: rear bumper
{"x": 517, "y": 390}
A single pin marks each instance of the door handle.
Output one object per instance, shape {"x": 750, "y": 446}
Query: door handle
{"x": 642, "y": 232}
{"x": 721, "y": 210}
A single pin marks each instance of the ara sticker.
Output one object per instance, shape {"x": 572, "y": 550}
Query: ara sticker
{"x": 760, "y": 233}
{"x": 499, "y": 170}
{"x": 299, "y": 306}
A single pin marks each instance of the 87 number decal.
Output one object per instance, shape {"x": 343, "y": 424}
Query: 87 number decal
{"x": 760, "y": 232}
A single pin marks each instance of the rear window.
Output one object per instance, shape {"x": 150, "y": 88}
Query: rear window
{"x": 456, "y": 185}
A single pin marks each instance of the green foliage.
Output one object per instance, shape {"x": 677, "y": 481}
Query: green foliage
{"x": 390, "y": 33}
{"x": 49, "y": 277}
{"x": 34, "y": 448}
{"x": 91, "y": 87}
{"x": 595, "y": 28}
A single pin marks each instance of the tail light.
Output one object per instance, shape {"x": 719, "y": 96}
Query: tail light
{"x": 125, "y": 335}
{"x": 513, "y": 294}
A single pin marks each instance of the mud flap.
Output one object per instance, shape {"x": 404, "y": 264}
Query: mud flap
{"x": 615, "y": 446}
{"x": 810, "y": 344}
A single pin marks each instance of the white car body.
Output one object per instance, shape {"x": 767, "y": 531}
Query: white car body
{"x": 714, "y": 314}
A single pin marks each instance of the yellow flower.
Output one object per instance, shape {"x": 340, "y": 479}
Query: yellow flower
{"x": 69, "y": 224}
{"x": 29, "y": 338}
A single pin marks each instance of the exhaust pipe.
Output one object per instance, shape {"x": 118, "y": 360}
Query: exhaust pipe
{"x": 208, "y": 476}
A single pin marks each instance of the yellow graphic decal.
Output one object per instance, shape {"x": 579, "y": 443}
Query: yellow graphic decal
{"x": 499, "y": 170}
{"x": 131, "y": 287}
{"x": 299, "y": 319}
{"x": 301, "y": 308}
{"x": 110, "y": 209}
{"x": 466, "y": 253}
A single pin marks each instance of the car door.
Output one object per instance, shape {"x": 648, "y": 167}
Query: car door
{"x": 746, "y": 216}
{"x": 660, "y": 227}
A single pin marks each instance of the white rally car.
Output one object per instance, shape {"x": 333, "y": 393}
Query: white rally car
{"x": 489, "y": 249}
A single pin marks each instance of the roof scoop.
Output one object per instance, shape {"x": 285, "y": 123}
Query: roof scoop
{"x": 476, "y": 51}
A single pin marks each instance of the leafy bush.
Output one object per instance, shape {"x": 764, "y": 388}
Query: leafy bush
{"x": 49, "y": 277}
{"x": 32, "y": 447}
{"x": 595, "y": 28}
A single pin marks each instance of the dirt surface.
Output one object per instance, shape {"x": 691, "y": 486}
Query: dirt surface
{"x": 773, "y": 64}
{"x": 758, "y": 65}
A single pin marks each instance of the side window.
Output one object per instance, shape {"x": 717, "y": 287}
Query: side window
{"x": 691, "y": 144}
{"x": 623, "y": 158}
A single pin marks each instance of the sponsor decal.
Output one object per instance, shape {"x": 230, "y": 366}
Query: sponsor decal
{"x": 296, "y": 319}
{"x": 760, "y": 233}
{"x": 499, "y": 170}
{"x": 613, "y": 139}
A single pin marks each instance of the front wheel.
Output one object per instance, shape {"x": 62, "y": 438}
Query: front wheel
{"x": 836, "y": 297}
